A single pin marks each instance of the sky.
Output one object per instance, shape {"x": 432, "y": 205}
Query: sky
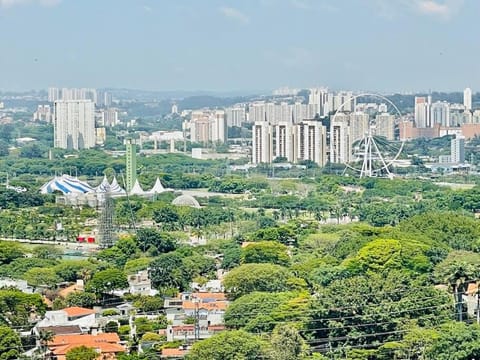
{"x": 240, "y": 45}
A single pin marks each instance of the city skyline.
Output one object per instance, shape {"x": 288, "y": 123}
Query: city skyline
{"x": 252, "y": 46}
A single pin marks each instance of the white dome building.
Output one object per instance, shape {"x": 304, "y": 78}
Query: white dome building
{"x": 186, "y": 200}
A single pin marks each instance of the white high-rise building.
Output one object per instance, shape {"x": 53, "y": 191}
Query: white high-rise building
{"x": 359, "y": 122}
{"x": 283, "y": 145}
{"x": 261, "y": 142}
{"x": 340, "y": 142}
{"x": 385, "y": 126}
{"x": 174, "y": 109}
{"x": 74, "y": 124}
{"x": 467, "y": 98}
{"x": 457, "y": 152}
{"x": 440, "y": 113}
{"x": 54, "y": 94}
{"x": 422, "y": 112}
{"x": 109, "y": 117}
{"x": 236, "y": 115}
{"x": 207, "y": 126}
{"x": 43, "y": 113}
{"x": 320, "y": 99}
{"x": 311, "y": 143}
{"x": 217, "y": 126}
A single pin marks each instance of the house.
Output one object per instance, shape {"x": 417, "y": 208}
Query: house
{"x": 107, "y": 345}
{"x": 207, "y": 308}
{"x": 19, "y": 284}
{"x": 140, "y": 284}
{"x": 71, "y": 316}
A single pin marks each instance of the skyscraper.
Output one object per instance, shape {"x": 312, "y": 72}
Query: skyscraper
{"x": 457, "y": 152}
{"x": 311, "y": 142}
{"x": 262, "y": 142}
{"x": 131, "y": 163}
{"x": 467, "y": 98}
{"x": 340, "y": 142}
{"x": 440, "y": 113}
{"x": 74, "y": 124}
{"x": 282, "y": 141}
{"x": 422, "y": 112}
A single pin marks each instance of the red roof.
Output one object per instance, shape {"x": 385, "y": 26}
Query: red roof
{"x": 173, "y": 352}
{"x": 83, "y": 339}
{"x": 76, "y": 311}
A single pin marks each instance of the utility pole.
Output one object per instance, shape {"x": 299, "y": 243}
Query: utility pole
{"x": 197, "y": 319}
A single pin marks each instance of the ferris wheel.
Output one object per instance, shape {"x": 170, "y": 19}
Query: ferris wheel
{"x": 373, "y": 143}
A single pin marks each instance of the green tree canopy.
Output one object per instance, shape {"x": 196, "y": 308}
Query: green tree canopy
{"x": 10, "y": 344}
{"x": 256, "y": 277}
{"x": 107, "y": 280}
{"x": 229, "y": 345}
{"x": 266, "y": 252}
{"x": 82, "y": 353}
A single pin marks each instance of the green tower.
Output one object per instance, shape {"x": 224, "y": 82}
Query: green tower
{"x": 131, "y": 159}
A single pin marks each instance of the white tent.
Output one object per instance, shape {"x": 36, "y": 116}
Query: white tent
{"x": 136, "y": 189}
{"x": 157, "y": 188}
{"x": 104, "y": 186}
{"x": 115, "y": 188}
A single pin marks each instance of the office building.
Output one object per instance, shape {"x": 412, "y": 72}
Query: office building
{"x": 131, "y": 163}
{"x": 457, "y": 152}
{"x": 74, "y": 124}
{"x": 467, "y": 99}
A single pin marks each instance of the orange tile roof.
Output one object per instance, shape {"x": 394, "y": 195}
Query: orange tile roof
{"x": 75, "y": 311}
{"x": 60, "y": 340}
{"x": 472, "y": 289}
{"x": 102, "y": 347}
{"x": 209, "y": 306}
{"x": 209, "y": 295}
{"x": 173, "y": 352}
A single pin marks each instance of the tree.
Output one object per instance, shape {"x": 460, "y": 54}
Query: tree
{"x": 287, "y": 344}
{"x": 107, "y": 280}
{"x": 32, "y": 151}
{"x": 229, "y": 345}
{"x": 260, "y": 311}
{"x": 82, "y": 299}
{"x": 10, "y": 251}
{"x": 167, "y": 217}
{"x": 47, "y": 252}
{"x": 167, "y": 272}
{"x": 266, "y": 252}
{"x": 17, "y": 307}
{"x": 148, "y": 237}
{"x": 111, "y": 327}
{"x": 456, "y": 341}
{"x": 256, "y": 277}
{"x": 82, "y": 353}
{"x": 41, "y": 277}
{"x": 10, "y": 344}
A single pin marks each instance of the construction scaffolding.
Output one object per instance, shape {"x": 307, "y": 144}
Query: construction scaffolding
{"x": 106, "y": 232}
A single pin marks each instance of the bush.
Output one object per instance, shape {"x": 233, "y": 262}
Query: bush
{"x": 110, "y": 312}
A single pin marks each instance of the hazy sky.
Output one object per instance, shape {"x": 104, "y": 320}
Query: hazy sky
{"x": 223, "y": 45}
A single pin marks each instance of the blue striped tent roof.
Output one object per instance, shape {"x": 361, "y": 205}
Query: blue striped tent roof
{"x": 66, "y": 185}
